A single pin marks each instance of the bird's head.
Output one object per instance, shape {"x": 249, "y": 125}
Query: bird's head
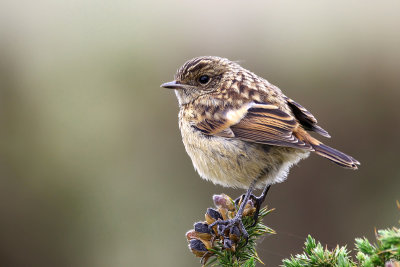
{"x": 199, "y": 76}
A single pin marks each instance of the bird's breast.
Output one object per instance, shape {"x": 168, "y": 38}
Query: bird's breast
{"x": 225, "y": 161}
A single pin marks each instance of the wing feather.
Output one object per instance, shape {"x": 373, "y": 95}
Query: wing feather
{"x": 258, "y": 123}
{"x": 306, "y": 119}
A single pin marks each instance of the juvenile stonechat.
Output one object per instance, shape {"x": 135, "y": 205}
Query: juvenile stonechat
{"x": 242, "y": 131}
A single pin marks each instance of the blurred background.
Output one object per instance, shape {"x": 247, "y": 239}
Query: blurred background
{"x": 92, "y": 168}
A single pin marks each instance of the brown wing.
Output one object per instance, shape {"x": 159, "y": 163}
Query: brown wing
{"x": 258, "y": 123}
{"x": 266, "y": 124}
{"x": 306, "y": 119}
{"x": 220, "y": 121}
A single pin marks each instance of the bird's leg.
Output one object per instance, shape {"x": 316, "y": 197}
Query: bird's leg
{"x": 258, "y": 202}
{"x": 223, "y": 226}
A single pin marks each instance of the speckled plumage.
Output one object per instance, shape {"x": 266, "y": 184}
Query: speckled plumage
{"x": 238, "y": 128}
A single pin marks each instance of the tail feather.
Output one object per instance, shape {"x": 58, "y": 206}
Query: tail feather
{"x": 330, "y": 153}
{"x": 336, "y": 156}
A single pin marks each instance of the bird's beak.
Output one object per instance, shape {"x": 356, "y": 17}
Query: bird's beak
{"x": 172, "y": 85}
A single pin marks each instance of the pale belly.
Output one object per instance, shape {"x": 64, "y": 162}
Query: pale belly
{"x": 235, "y": 163}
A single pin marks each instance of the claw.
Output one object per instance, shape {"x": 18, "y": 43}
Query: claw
{"x": 237, "y": 200}
{"x": 221, "y": 229}
{"x": 257, "y": 212}
{"x": 231, "y": 229}
{"x": 258, "y": 202}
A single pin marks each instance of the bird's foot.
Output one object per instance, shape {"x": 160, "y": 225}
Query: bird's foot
{"x": 232, "y": 230}
{"x": 257, "y": 201}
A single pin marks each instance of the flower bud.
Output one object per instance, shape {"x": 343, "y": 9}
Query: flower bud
{"x": 212, "y": 215}
{"x": 202, "y": 230}
{"x": 224, "y": 201}
{"x": 249, "y": 209}
{"x": 197, "y": 247}
{"x": 191, "y": 234}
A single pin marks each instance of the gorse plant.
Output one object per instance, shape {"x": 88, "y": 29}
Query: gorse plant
{"x": 245, "y": 254}
{"x": 385, "y": 252}
{"x": 315, "y": 255}
{"x": 215, "y": 250}
{"x": 229, "y": 249}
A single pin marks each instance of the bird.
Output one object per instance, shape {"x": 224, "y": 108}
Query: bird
{"x": 241, "y": 131}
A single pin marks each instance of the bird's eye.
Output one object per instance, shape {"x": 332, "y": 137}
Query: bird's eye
{"x": 204, "y": 79}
